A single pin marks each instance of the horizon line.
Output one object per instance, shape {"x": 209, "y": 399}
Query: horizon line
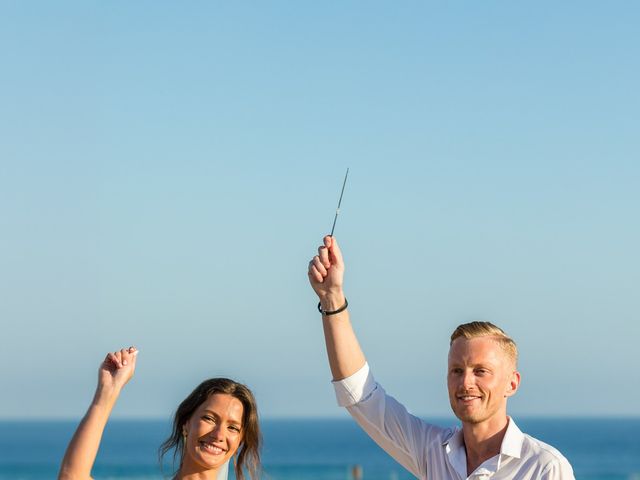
{"x": 552, "y": 416}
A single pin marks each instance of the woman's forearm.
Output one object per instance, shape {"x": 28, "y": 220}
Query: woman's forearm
{"x": 83, "y": 448}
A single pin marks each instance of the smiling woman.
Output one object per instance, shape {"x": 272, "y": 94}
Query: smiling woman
{"x": 216, "y": 422}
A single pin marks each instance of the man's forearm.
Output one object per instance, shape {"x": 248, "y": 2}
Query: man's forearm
{"x": 343, "y": 348}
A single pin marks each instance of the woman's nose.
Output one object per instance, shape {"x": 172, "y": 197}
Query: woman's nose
{"x": 216, "y": 433}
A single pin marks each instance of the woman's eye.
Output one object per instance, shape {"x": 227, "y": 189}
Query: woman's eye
{"x": 209, "y": 419}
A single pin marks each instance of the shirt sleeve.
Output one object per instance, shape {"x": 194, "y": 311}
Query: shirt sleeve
{"x": 402, "y": 435}
{"x": 355, "y": 388}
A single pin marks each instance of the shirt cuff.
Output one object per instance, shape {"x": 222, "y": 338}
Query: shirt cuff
{"x": 355, "y": 388}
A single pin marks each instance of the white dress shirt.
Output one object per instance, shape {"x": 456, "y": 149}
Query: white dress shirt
{"x": 432, "y": 452}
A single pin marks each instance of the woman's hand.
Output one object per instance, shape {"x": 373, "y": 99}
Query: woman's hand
{"x": 117, "y": 369}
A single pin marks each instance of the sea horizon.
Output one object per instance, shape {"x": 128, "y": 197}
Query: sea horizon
{"x": 320, "y": 448}
{"x": 436, "y": 418}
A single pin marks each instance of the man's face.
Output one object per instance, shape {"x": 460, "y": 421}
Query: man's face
{"x": 480, "y": 378}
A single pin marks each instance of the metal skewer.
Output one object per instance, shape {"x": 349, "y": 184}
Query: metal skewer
{"x": 339, "y": 202}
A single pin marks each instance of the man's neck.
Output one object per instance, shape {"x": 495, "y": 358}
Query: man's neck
{"x": 482, "y": 441}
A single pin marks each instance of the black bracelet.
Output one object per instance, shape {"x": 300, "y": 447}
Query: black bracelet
{"x": 341, "y": 309}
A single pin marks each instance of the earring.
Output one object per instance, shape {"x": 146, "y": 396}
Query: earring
{"x": 184, "y": 440}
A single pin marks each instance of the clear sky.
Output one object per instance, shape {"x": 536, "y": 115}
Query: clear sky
{"x": 167, "y": 169}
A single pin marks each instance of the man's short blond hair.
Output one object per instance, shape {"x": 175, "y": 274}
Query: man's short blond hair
{"x": 487, "y": 329}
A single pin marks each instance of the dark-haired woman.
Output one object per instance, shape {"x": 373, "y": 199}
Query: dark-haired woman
{"x": 216, "y": 422}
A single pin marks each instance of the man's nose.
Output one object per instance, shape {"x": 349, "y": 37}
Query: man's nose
{"x": 468, "y": 379}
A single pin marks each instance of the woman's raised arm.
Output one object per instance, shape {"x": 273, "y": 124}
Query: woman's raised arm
{"x": 114, "y": 373}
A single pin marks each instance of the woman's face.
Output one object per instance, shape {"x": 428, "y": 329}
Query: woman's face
{"x": 214, "y": 433}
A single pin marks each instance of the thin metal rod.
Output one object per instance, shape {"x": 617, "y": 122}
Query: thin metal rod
{"x": 339, "y": 202}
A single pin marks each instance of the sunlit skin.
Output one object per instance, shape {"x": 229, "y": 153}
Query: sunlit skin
{"x": 481, "y": 377}
{"x": 214, "y": 433}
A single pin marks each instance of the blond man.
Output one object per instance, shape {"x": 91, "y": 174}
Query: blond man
{"x": 482, "y": 375}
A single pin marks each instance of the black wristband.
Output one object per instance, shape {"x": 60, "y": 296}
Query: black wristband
{"x": 341, "y": 309}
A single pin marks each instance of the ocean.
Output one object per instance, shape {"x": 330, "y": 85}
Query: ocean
{"x": 306, "y": 449}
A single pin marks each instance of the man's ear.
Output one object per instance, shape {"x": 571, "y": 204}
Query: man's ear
{"x": 513, "y": 385}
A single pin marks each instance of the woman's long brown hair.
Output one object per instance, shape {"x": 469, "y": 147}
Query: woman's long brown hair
{"x": 249, "y": 449}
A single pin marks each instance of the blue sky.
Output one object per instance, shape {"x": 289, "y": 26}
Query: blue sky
{"x": 167, "y": 170}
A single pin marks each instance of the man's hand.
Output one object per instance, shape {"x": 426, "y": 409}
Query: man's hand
{"x": 326, "y": 273}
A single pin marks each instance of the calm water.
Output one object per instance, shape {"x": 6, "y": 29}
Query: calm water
{"x": 598, "y": 449}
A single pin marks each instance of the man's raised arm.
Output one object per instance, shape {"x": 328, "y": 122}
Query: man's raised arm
{"x": 326, "y": 273}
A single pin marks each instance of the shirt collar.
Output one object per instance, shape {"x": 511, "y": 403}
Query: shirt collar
{"x": 512, "y": 441}
{"x": 454, "y": 440}
{"x": 454, "y": 447}
{"x": 511, "y": 446}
